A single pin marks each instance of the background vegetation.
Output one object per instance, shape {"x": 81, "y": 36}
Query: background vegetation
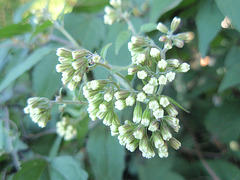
{"x": 210, "y": 134}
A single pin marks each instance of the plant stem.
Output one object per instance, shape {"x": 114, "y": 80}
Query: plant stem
{"x": 68, "y": 102}
{"x": 66, "y": 34}
{"x": 117, "y": 73}
{"x": 130, "y": 25}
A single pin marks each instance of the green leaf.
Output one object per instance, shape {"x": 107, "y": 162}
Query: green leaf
{"x": 88, "y": 29}
{"x": 208, "y": 23}
{"x": 158, "y": 8}
{"x": 55, "y": 147}
{"x": 232, "y": 57}
{"x": 106, "y": 155}
{"x": 225, "y": 169}
{"x": 66, "y": 168}
{"x": 42, "y": 27}
{"x": 230, "y": 9}
{"x": 224, "y": 122}
{"x": 231, "y": 78}
{"x": 121, "y": 39}
{"x": 90, "y": 5}
{"x": 46, "y": 81}
{"x": 32, "y": 169}
{"x": 177, "y": 104}
{"x": 1, "y": 137}
{"x": 148, "y": 27}
{"x": 19, "y": 69}
{"x": 14, "y": 29}
{"x": 104, "y": 50}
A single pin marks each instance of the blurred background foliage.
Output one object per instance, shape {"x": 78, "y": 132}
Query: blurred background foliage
{"x": 210, "y": 133}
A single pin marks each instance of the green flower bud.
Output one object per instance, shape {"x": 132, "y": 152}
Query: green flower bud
{"x": 175, "y": 23}
{"x": 173, "y": 63}
{"x": 172, "y": 121}
{"x": 184, "y": 67}
{"x": 97, "y": 84}
{"x": 120, "y": 104}
{"x": 143, "y": 144}
{"x": 64, "y": 52}
{"x": 174, "y": 143}
{"x": 101, "y": 115}
{"x": 72, "y": 85}
{"x": 79, "y": 63}
{"x": 168, "y": 44}
{"x": 121, "y": 94}
{"x": 183, "y": 36}
{"x": 162, "y": 28}
{"x": 146, "y": 117}
{"x": 61, "y": 67}
{"x": 171, "y": 110}
{"x": 179, "y": 43}
{"x": 163, "y": 38}
{"x": 163, "y": 151}
{"x": 137, "y": 113}
{"x": 114, "y": 130}
{"x": 132, "y": 146}
{"x": 166, "y": 134}
{"x": 133, "y": 70}
{"x": 108, "y": 118}
{"x": 153, "y": 126}
{"x": 80, "y": 53}
{"x": 64, "y": 60}
{"x": 157, "y": 139}
{"x": 130, "y": 100}
{"x": 126, "y": 128}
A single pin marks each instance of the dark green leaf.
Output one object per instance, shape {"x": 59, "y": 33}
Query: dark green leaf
{"x": 230, "y": 9}
{"x": 55, "y": 147}
{"x": 66, "y": 168}
{"x": 46, "y": 81}
{"x": 148, "y": 27}
{"x": 231, "y": 78}
{"x": 232, "y": 57}
{"x": 177, "y": 104}
{"x": 224, "y": 122}
{"x": 104, "y": 50}
{"x": 19, "y": 69}
{"x": 158, "y": 8}
{"x": 14, "y": 29}
{"x": 208, "y": 23}
{"x": 32, "y": 169}
{"x": 106, "y": 155}
{"x": 121, "y": 39}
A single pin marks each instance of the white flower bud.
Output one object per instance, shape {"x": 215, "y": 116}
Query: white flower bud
{"x": 175, "y": 23}
{"x": 115, "y": 3}
{"x": 164, "y": 101}
{"x": 108, "y": 10}
{"x": 108, "y": 97}
{"x": 141, "y": 96}
{"x": 141, "y": 58}
{"x": 162, "y": 64}
{"x": 130, "y": 100}
{"x": 158, "y": 113}
{"x": 184, "y": 67}
{"x": 120, "y": 104}
{"x": 153, "y": 81}
{"x": 154, "y": 52}
{"x": 153, "y": 104}
{"x": 161, "y": 27}
{"x": 149, "y": 89}
{"x": 173, "y": 62}
{"x": 162, "y": 80}
{"x": 170, "y": 76}
{"x": 142, "y": 74}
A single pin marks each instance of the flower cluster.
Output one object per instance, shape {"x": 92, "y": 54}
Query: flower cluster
{"x": 74, "y": 64}
{"x": 100, "y": 98}
{"x": 113, "y": 12}
{"x": 39, "y": 109}
{"x": 65, "y": 129}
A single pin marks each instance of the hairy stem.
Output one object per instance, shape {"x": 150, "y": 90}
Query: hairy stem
{"x": 69, "y": 102}
{"x": 130, "y": 25}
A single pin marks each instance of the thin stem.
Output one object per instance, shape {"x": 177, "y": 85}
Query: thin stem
{"x": 117, "y": 73}
{"x": 130, "y": 25}
{"x": 160, "y": 89}
{"x": 9, "y": 141}
{"x": 66, "y": 34}
{"x": 68, "y": 102}
{"x": 121, "y": 68}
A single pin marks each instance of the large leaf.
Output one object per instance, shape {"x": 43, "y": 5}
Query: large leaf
{"x": 106, "y": 155}
{"x": 14, "y": 29}
{"x": 19, "y": 69}
{"x": 121, "y": 39}
{"x": 46, "y": 81}
{"x": 233, "y": 57}
{"x": 90, "y": 5}
{"x": 88, "y": 29}
{"x": 224, "y": 122}
{"x": 158, "y": 8}
{"x": 32, "y": 169}
{"x": 208, "y": 23}
{"x": 231, "y": 78}
{"x": 224, "y": 169}
{"x": 67, "y": 168}
{"x": 230, "y": 8}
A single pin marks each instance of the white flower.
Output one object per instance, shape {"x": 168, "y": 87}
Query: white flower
{"x": 141, "y": 96}
{"x": 141, "y": 58}
{"x": 130, "y": 71}
{"x": 170, "y": 76}
{"x": 115, "y": 3}
{"x": 108, "y": 19}
{"x": 158, "y": 113}
{"x": 96, "y": 58}
{"x": 108, "y": 10}
{"x": 153, "y": 105}
{"x": 134, "y": 39}
{"x": 162, "y": 64}
{"x": 164, "y": 101}
{"x": 154, "y": 52}
{"x": 103, "y": 108}
{"x": 162, "y": 80}
{"x": 184, "y": 67}
{"x": 153, "y": 81}
{"x": 94, "y": 84}
{"x": 130, "y": 46}
{"x": 142, "y": 74}
{"x": 108, "y": 97}
{"x": 120, "y": 104}
{"x": 173, "y": 62}
{"x": 148, "y": 89}
{"x": 145, "y": 121}
{"x": 130, "y": 100}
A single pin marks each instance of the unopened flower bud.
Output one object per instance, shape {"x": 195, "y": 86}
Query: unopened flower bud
{"x": 162, "y": 28}
{"x": 168, "y": 44}
{"x": 170, "y": 76}
{"x": 166, "y": 134}
{"x": 108, "y": 118}
{"x": 96, "y": 58}
{"x": 141, "y": 58}
{"x": 163, "y": 38}
{"x": 120, "y": 104}
{"x": 97, "y": 84}
{"x": 171, "y": 110}
{"x": 137, "y": 113}
{"x": 172, "y": 121}
{"x": 158, "y": 113}
{"x": 132, "y": 146}
{"x": 183, "y": 36}
{"x": 121, "y": 94}
{"x": 157, "y": 139}
{"x": 130, "y": 100}
{"x": 173, "y": 63}
{"x": 139, "y": 131}
{"x": 108, "y": 96}
{"x": 115, "y": 3}
{"x": 175, "y": 143}
{"x": 164, "y": 101}
{"x": 154, "y": 52}
{"x": 153, "y": 126}
{"x": 153, "y": 104}
{"x": 64, "y": 52}
{"x": 162, "y": 80}
{"x": 108, "y": 10}
{"x": 184, "y": 67}
{"x": 80, "y": 53}
{"x": 132, "y": 70}
{"x": 114, "y": 130}
{"x": 149, "y": 89}
{"x": 179, "y": 43}
{"x": 142, "y": 74}
{"x": 162, "y": 64}
{"x": 175, "y": 23}
{"x": 146, "y": 117}
{"x": 141, "y": 96}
